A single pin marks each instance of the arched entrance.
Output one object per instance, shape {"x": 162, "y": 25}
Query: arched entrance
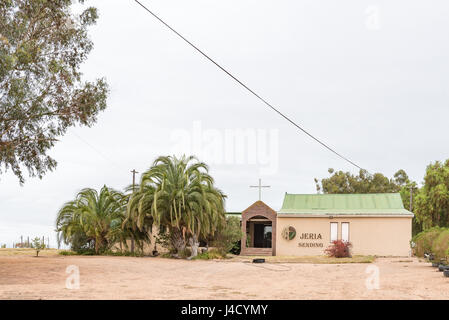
{"x": 259, "y": 230}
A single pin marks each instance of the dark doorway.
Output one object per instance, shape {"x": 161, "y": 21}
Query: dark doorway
{"x": 262, "y": 235}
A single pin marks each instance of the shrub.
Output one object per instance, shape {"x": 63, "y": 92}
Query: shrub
{"x": 236, "y": 248}
{"x": 339, "y": 249}
{"x": 67, "y": 253}
{"x": 123, "y": 254}
{"x": 440, "y": 246}
{"x": 228, "y": 236}
{"x": 424, "y": 241}
{"x": 211, "y": 254}
{"x": 85, "y": 252}
{"x": 185, "y": 253}
{"x": 81, "y": 244}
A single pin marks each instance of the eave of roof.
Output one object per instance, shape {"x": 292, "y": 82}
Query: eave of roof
{"x": 335, "y": 214}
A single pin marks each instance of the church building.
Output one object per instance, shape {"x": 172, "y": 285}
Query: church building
{"x": 375, "y": 224}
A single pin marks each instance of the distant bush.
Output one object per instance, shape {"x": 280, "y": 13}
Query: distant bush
{"x": 424, "y": 241}
{"x": 84, "y": 252}
{"x": 339, "y": 249}
{"x": 90, "y": 252}
{"x": 123, "y": 254}
{"x": 440, "y": 246}
{"x": 67, "y": 253}
{"x": 211, "y": 254}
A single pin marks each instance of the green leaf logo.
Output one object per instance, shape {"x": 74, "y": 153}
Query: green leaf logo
{"x": 289, "y": 233}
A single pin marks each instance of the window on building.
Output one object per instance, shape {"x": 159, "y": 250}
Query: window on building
{"x": 345, "y": 231}
{"x": 334, "y": 231}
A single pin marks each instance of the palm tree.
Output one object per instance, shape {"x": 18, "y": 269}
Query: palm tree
{"x": 179, "y": 195}
{"x": 96, "y": 217}
{"x": 131, "y": 228}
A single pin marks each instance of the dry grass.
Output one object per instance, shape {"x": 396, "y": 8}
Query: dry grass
{"x": 27, "y": 252}
{"x": 308, "y": 259}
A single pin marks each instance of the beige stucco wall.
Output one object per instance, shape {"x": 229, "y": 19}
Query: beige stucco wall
{"x": 382, "y": 236}
{"x": 148, "y": 247}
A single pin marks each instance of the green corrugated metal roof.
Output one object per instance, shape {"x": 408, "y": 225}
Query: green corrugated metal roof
{"x": 234, "y": 214}
{"x": 344, "y": 204}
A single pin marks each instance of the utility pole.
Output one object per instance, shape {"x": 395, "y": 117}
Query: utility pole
{"x": 134, "y": 187}
{"x": 411, "y": 197}
{"x": 134, "y": 178}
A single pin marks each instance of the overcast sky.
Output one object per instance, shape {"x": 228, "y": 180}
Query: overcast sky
{"x": 369, "y": 78}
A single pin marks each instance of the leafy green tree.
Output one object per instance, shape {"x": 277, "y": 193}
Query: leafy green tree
{"x": 38, "y": 245}
{"x": 432, "y": 202}
{"x": 94, "y": 217}
{"x": 345, "y": 182}
{"x": 180, "y": 196}
{"x": 42, "y": 46}
{"x": 363, "y": 182}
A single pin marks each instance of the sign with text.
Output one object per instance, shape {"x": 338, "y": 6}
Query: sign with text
{"x": 315, "y": 240}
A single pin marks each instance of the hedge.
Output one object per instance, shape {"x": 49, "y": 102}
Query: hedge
{"x": 440, "y": 247}
{"x": 434, "y": 240}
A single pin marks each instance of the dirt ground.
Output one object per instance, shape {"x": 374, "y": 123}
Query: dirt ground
{"x": 105, "y": 277}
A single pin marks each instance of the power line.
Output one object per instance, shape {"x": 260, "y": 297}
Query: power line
{"x": 97, "y": 151}
{"x": 246, "y": 87}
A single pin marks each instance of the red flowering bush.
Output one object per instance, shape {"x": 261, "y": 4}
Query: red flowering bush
{"x": 339, "y": 249}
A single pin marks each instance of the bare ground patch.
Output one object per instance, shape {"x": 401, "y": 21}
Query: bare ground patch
{"x": 106, "y": 277}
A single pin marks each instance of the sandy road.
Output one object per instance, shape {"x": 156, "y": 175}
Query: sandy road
{"x": 101, "y": 277}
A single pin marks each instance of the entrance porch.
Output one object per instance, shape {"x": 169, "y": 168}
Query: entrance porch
{"x": 259, "y": 230}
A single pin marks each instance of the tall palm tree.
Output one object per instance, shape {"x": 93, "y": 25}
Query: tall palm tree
{"x": 179, "y": 194}
{"x": 93, "y": 215}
